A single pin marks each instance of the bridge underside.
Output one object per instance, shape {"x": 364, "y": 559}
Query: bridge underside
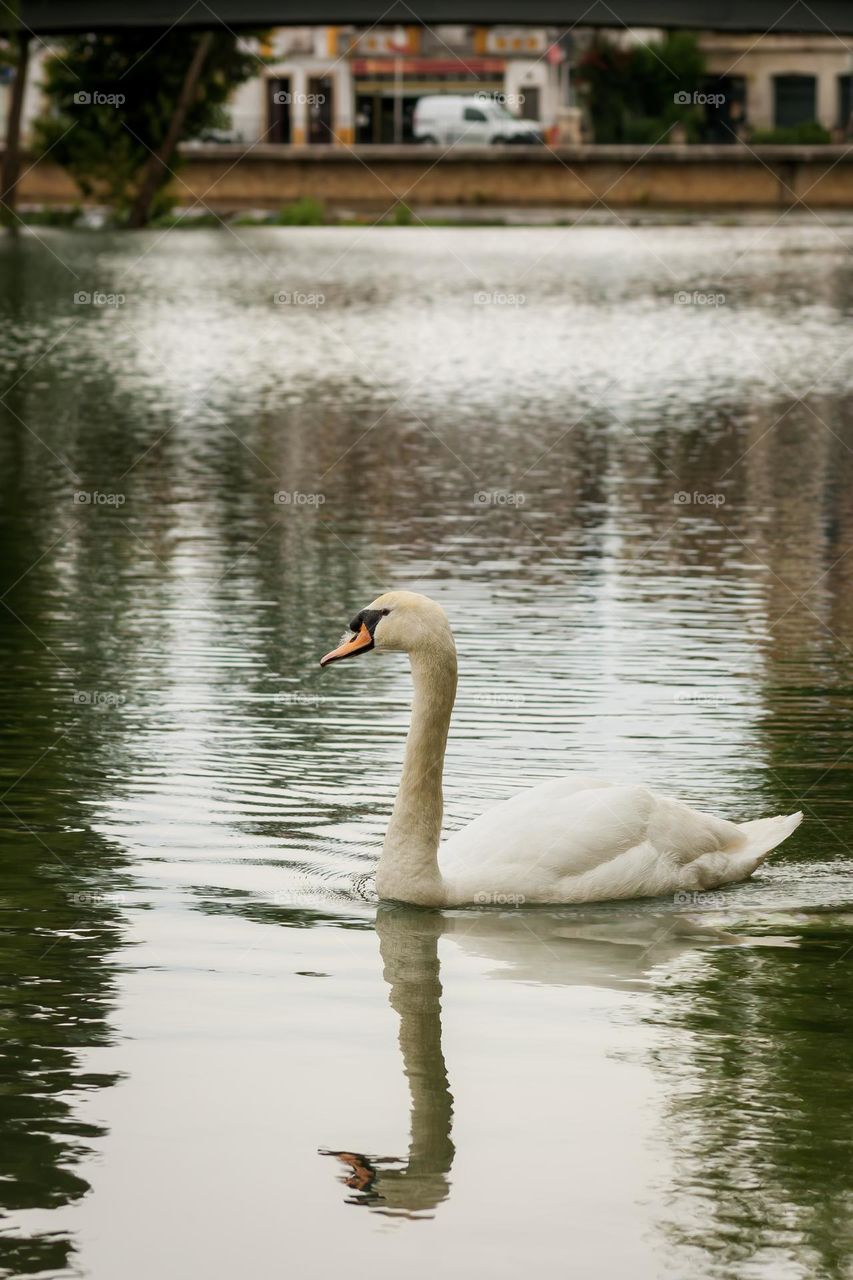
{"x": 761, "y": 16}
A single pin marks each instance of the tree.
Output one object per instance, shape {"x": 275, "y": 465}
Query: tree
{"x": 14, "y": 61}
{"x": 114, "y": 99}
{"x": 637, "y": 94}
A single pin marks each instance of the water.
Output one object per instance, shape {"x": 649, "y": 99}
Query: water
{"x": 220, "y": 1059}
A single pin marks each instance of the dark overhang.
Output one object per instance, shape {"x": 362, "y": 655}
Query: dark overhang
{"x": 820, "y": 17}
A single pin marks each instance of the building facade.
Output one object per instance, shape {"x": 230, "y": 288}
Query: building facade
{"x": 782, "y": 81}
{"x": 339, "y": 86}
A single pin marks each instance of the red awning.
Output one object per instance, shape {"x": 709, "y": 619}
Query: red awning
{"x": 428, "y": 66}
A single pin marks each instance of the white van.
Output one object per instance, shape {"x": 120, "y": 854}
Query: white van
{"x": 470, "y": 120}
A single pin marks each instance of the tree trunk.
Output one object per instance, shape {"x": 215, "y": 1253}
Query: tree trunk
{"x": 12, "y": 155}
{"x": 157, "y": 162}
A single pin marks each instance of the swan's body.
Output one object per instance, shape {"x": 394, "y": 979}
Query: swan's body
{"x": 573, "y": 839}
{"x": 581, "y": 839}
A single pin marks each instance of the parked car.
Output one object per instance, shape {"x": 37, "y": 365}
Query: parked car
{"x": 470, "y": 119}
{"x": 221, "y": 136}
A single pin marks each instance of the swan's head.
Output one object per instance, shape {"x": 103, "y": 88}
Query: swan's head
{"x": 397, "y": 622}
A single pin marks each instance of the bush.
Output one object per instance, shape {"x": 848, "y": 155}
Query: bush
{"x": 402, "y": 215}
{"x": 630, "y": 94}
{"x": 804, "y": 135}
{"x": 305, "y": 212}
{"x": 59, "y": 217}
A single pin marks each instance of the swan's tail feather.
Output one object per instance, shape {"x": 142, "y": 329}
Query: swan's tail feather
{"x": 764, "y": 834}
{"x": 737, "y": 860}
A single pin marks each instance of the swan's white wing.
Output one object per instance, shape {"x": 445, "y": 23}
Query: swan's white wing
{"x": 579, "y": 839}
{"x": 564, "y": 826}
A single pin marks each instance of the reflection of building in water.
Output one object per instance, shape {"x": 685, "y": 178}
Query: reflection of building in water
{"x": 798, "y": 469}
{"x": 797, "y": 531}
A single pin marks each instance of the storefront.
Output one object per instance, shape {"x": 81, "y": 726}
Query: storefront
{"x": 387, "y": 89}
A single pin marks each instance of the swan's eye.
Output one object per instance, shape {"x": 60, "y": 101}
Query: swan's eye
{"x": 368, "y": 618}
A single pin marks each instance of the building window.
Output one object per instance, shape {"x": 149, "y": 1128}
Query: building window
{"x": 530, "y": 102}
{"x": 845, "y": 102}
{"x": 278, "y": 110}
{"x": 794, "y": 101}
{"x": 724, "y": 109}
{"x": 320, "y": 110}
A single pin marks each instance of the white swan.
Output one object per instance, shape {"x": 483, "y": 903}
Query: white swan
{"x": 575, "y": 839}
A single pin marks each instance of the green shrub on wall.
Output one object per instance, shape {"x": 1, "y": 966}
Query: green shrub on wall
{"x": 803, "y": 135}
{"x": 639, "y": 93}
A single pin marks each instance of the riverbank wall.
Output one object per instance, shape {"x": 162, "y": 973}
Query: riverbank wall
{"x": 228, "y": 179}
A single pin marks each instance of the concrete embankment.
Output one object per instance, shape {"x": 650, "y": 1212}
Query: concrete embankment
{"x": 229, "y": 178}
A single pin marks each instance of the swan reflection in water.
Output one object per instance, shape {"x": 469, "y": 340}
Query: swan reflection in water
{"x": 600, "y": 946}
{"x": 408, "y": 943}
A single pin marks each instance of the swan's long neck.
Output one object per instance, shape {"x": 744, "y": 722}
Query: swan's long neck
{"x": 408, "y": 869}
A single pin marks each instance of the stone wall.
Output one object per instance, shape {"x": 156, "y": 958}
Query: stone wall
{"x": 227, "y": 178}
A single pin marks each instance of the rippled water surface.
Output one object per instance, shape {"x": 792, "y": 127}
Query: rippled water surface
{"x": 622, "y": 459}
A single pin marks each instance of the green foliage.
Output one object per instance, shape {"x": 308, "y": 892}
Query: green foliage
{"x": 402, "y": 215}
{"x": 631, "y": 93}
{"x": 110, "y": 98}
{"x": 808, "y": 134}
{"x": 186, "y": 218}
{"x": 61, "y": 217}
{"x": 305, "y": 212}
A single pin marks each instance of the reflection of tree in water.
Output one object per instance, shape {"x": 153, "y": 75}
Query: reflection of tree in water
{"x": 55, "y": 990}
{"x": 760, "y": 1124}
{"x": 408, "y": 942}
{"x": 55, "y": 979}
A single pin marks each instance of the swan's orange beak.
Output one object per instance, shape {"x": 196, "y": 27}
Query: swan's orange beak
{"x": 359, "y": 644}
